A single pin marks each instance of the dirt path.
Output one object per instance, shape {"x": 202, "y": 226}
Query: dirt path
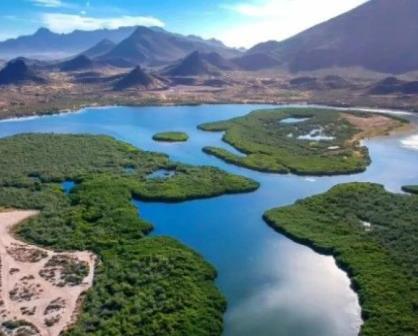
{"x": 38, "y": 294}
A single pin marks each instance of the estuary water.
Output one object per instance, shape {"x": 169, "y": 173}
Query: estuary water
{"x": 274, "y": 286}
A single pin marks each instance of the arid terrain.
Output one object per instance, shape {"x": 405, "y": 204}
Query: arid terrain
{"x": 70, "y": 91}
{"x": 41, "y": 290}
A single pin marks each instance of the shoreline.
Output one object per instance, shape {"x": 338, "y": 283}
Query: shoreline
{"x": 301, "y": 104}
{"x": 329, "y": 252}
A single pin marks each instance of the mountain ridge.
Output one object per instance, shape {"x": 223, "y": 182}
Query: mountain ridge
{"x": 45, "y": 42}
{"x": 379, "y": 35}
{"x": 158, "y": 47}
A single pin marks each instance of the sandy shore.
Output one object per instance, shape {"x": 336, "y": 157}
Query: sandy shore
{"x": 34, "y": 290}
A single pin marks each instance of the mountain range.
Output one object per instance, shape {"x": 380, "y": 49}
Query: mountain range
{"x": 155, "y": 46}
{"x": 380, "y": 35}
{"x": 133, "y": 45}
{"x": 45, "y": 43}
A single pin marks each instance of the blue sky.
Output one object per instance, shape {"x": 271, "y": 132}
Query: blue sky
{"x": 235, "y": 22}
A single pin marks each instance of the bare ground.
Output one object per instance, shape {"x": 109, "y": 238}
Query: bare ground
{"x": 34, "y": 298}
{"x": 375, "y": 125}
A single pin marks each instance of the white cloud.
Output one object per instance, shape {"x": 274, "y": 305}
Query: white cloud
{"x": 65, "y": 23}
{"x": 47, "y": 3}
{"x": 263, "y": 20}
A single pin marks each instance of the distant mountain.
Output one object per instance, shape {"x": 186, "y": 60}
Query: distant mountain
{"x": 18, "y": 72}
{"x": 155, "y": 46}
{"x": 101, "y": 48}
{"x": 81, "y": 62}
{"x": 256, "y": 61}
{"x": 195, "y": 64}
{"x": 393, "y": 85}
{"x": 380, "y": 35}
{"x": 138, "y": 78}
{"x": 45, "y": 43}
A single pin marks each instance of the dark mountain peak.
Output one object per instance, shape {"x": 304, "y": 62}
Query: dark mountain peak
{"x": 43, "y": 32}
{"x": 193, "y": 64}
{"x": 391, "y": 81}
{"x": 80, "y": 62}
{"x": 139, "y": 72}
{"x": 195, "y": 56}
{"x": 18, "y": 64}
{"x": 16, "y": 72}
{"x": 138, "y": 78}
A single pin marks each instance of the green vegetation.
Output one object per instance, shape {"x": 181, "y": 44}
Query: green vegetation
{"x": 38, "y": 161}
{"x": 322, "y": 142}
{"x": 373, "y": 234}
{"x": 72, "y": 271}
{"x": 171, "y": 137}
{"x": 143, "y": 286}
{"x": 410, "y": 189}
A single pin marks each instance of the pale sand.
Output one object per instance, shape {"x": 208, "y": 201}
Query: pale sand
{"x": 45, "y": 291}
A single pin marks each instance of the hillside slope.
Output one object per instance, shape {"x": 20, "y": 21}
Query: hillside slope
{"x": 380, "y": 35}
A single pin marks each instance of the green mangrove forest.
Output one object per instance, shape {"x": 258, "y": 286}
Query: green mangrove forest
{"x": 171, "y": 137}
{"x": 300, "y": 141}
{"x": 373, "y": 234}
{"x": 143, "y": 285}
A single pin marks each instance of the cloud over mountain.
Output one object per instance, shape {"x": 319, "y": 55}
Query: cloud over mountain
{"x": 66, "y": 23}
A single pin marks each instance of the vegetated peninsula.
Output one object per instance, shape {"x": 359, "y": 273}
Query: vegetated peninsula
{"x": 372, "y": 234}
{"x": 142, "y": 286}
{"x": 411, "y": 189}
{"x": 301, "y": 141}
{"x": 171, "y": 137}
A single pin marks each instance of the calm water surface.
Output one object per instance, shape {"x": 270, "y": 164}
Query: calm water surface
{"x": 273, "y": 286}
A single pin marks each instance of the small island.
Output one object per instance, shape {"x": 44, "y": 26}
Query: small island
{"x": 309, "y": 141}
{"x": 372, "y": 235}
{"x": 171, "y": 137}
{"x": 151, "y": 284}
